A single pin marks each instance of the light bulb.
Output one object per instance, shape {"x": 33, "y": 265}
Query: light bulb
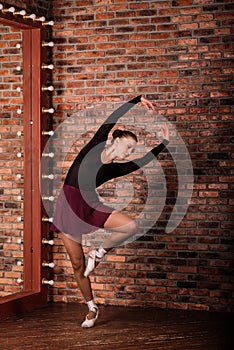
{"x": 48, "y": 282}
{"x": 48, "y": 241}
{"x": 45, "y": 219}
{"x": 40, "y": 19}
{"x": 50, "y": 198}
{"x": 50, "y": 133}
{"x": 10, "y": 9}
{"x": 48, "y": 110}
{"x": 32, "y": 16}
{"x": 50, "y": 176}
{"x": 47, "y": 264}
{"x": 22, "y": 13}
{"x": 51, "y": 155}
{"x": 49, "y": 23}
{"x": 50, "y": 44}
{"x": 47, "y": 66}
{"x": 47, "y": 88}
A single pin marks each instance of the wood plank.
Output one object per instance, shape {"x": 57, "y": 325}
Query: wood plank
{"x": 57, "y": 326}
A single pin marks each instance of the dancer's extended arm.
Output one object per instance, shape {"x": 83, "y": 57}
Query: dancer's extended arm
{"x": 105, "y": 128}
{"x": 114, "y": 170}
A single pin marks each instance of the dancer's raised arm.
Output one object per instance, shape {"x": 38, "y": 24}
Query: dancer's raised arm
{"x": 116, "y": 169}
{"x": 106, "y": 127}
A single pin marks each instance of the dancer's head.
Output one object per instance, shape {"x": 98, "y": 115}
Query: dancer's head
{"x": 125, "y": 142}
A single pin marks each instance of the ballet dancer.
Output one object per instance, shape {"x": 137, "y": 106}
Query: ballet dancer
{"x": 78, "y": 208}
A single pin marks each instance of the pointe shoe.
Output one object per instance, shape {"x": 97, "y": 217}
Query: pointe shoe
{"x": 92, "y": 260}
{"x": 90, "y": 323}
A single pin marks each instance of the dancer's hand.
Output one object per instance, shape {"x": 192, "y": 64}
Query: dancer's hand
{"x": 148, "y": 104}
{"x": 165, "y": 131}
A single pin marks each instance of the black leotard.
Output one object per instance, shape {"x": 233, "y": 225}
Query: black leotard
{"x": 89, "y": 172}
{"x": 78, "y": 209}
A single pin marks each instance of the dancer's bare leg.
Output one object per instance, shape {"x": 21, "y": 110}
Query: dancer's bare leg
{"x": 76, "y": 254}
{"x": 123, "y": 227}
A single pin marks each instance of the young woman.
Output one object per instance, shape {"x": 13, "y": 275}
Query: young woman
{"x": 78, "y": 208}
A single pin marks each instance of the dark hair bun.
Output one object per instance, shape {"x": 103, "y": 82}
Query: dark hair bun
{"x": 123, "y": 133}
{"x": 117, "y": 133}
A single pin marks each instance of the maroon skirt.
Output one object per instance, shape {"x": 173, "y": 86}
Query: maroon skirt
{"x": 78, "y": 212}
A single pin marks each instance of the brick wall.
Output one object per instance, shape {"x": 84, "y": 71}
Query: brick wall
{"x": 178, "y": 54}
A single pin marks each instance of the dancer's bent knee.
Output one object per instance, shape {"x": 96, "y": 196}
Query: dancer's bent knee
{"x": 132, "y": 227}
{"x": 120, "y": 222}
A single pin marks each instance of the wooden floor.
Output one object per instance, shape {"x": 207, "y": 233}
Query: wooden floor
{"x": 57, "y": 326}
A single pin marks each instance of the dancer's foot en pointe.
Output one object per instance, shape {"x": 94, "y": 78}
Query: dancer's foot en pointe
{"x": 92, "y": 316}
{"x": 94, "y": 258}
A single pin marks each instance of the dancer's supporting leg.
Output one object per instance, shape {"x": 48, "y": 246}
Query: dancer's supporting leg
{"x": 123, "y": 227}
{"x": 76, "y": 254}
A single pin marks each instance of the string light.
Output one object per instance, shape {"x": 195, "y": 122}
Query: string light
{"x": 47, "y": 66}
{"x": 32, "y": 16}
{"x": 50, "y": 198}
{"x": 49, "y": 133}
{"x": 40, "y": 19}
{"x": 48, "y": 110}
{"x": 49, "y": 23}
{"x": 47, "y": 43}
{"x": 48, "y": 241}
{"x": 19, "y": 176}
{"x": 47, "y": 88}
{"x": 47, "y": 264}
{"x": 50, "y": 155}
{"x": 50, "y": 176}
{"x": 48, "y": 282}
{"x": 10, "y": 9}
{"x": 21, "y": 13}
{"x": 45, "y": 219}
